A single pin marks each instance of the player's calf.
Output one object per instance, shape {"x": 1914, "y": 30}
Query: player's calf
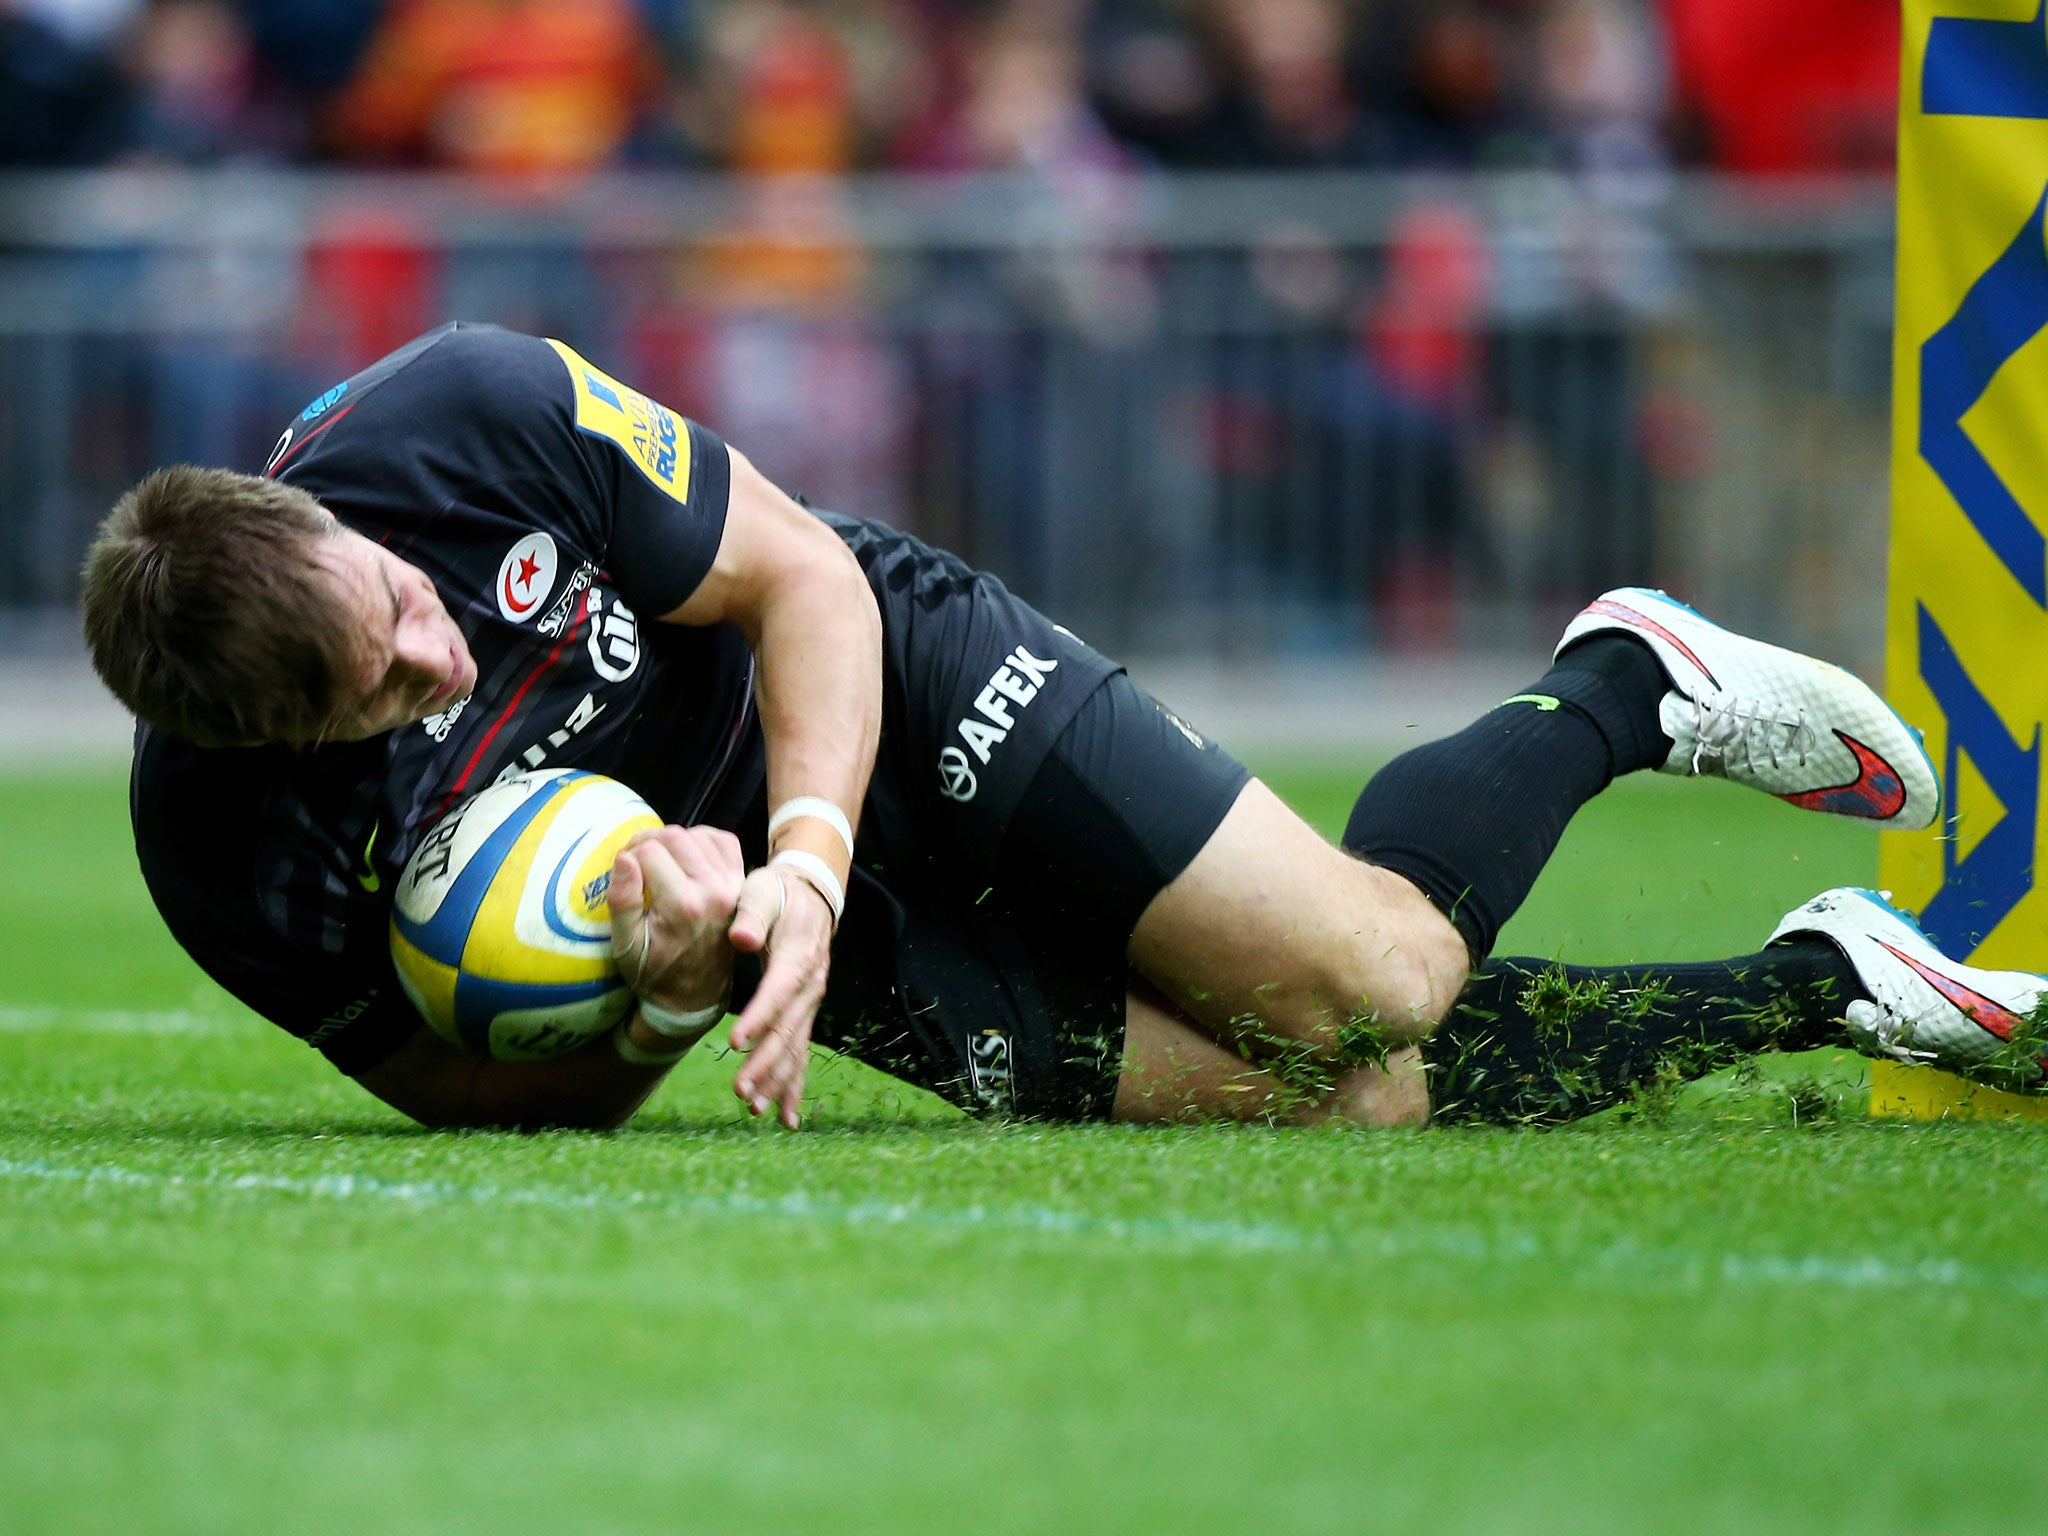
{"x": 1388, "y": 1094}
{"x": 1175, "y": 1072}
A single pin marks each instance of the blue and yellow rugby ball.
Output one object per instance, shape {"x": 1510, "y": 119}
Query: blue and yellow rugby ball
{"x": 501, "y": 930}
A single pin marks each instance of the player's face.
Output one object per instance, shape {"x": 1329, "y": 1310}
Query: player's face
{"x": 411, "y": 660}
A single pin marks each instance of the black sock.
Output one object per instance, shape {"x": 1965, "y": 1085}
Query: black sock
{"x": 1472, "y": 819}
{"x": 1532, "y": 1042}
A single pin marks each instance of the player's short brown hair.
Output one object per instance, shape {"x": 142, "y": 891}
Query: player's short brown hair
{"x": 206, "y": 611}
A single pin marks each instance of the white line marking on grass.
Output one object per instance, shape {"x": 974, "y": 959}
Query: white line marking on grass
{"x": 1623, "y": 1258}
{"x": 110, "y": 1021}
{"x": 1189, "y": 1232}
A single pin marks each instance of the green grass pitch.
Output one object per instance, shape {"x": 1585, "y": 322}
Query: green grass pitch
{"x": 238, "y": 1296}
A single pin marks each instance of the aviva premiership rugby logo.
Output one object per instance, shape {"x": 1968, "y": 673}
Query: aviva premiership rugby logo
{"x": 526, "y": 577}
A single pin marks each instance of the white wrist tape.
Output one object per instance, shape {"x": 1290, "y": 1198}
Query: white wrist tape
{"x": 670, "y": 1025}
{"x": 815, "y": 806}
{"x": 815, "y": 873}
{"x": 622, "y": 1042}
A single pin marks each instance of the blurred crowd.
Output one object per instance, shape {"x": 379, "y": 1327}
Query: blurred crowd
{"x": 1459, "y": 404}
{"x": 562, "y": 86}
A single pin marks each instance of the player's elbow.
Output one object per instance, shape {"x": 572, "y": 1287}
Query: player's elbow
{"x": 776, "y": 554}
{"x": 447, "y": 1090}
{"x": 564, "y": 1118}
{"x": 526, "y": 1119}
{"x": 830, "y": 569}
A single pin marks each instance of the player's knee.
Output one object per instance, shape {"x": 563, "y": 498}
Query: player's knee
{"x": 1439, "y": 966}
{"x": 1398, "y": 1005}
{"x": 1418, "y": 974}
{"x": 1387, "y": 1000}
{"x": 1333, "y": 1016}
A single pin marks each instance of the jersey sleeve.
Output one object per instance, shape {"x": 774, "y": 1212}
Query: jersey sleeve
{"x": 351, "y": 1008}
{"x": 661, "y": 482}
{"x": 328, "y": 981}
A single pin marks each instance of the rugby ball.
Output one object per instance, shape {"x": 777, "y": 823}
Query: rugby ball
{"x": 501, "y": 929}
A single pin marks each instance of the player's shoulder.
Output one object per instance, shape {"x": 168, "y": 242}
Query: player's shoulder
{"x": 199, "y": 817}
{"x": 461, "y": 405}
{"x": 179, "y": 793}
{"x": 170, "y": 779}
{"x": 470, "y": 366}
{"x": 459, "y": 371}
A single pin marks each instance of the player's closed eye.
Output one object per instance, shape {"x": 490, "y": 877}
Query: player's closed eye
{"x": 403, "y": 678}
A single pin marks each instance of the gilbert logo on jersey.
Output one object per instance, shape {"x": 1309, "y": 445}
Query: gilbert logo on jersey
{"x": 526, "y": 577}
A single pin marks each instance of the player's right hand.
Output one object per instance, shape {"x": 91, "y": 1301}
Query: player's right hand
{"x": 674, "y": 891}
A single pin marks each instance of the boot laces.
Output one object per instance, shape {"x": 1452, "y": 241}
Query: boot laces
{"x": 1738, "y": 731}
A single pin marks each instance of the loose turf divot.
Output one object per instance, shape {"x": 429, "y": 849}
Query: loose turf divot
{"x": 1902, "y": 1092}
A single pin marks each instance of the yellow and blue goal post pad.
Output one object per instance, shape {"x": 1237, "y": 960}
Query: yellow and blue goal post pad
{"x": 1967, "y": 619}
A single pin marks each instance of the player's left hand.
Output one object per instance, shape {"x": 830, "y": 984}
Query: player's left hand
{"x": 787, "y": 920}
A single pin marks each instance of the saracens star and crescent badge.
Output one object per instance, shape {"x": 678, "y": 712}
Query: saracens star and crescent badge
{"x": 526, "y": 577}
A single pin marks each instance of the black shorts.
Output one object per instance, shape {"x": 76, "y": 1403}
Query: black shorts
{"x": 1000, "y": 984}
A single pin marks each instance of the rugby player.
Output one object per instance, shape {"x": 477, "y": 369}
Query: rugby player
{"x": 909, "y": 817}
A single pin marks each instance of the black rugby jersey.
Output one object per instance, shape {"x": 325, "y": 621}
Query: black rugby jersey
{"x": 559, "y": 513}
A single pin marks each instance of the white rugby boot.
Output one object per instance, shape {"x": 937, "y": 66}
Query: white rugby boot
{"x": 1801, "y": 729}
{"x": 1926, "y": 1007}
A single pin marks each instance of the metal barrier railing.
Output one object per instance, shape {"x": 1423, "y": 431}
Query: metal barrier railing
{"x": 1224, "y": 414}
